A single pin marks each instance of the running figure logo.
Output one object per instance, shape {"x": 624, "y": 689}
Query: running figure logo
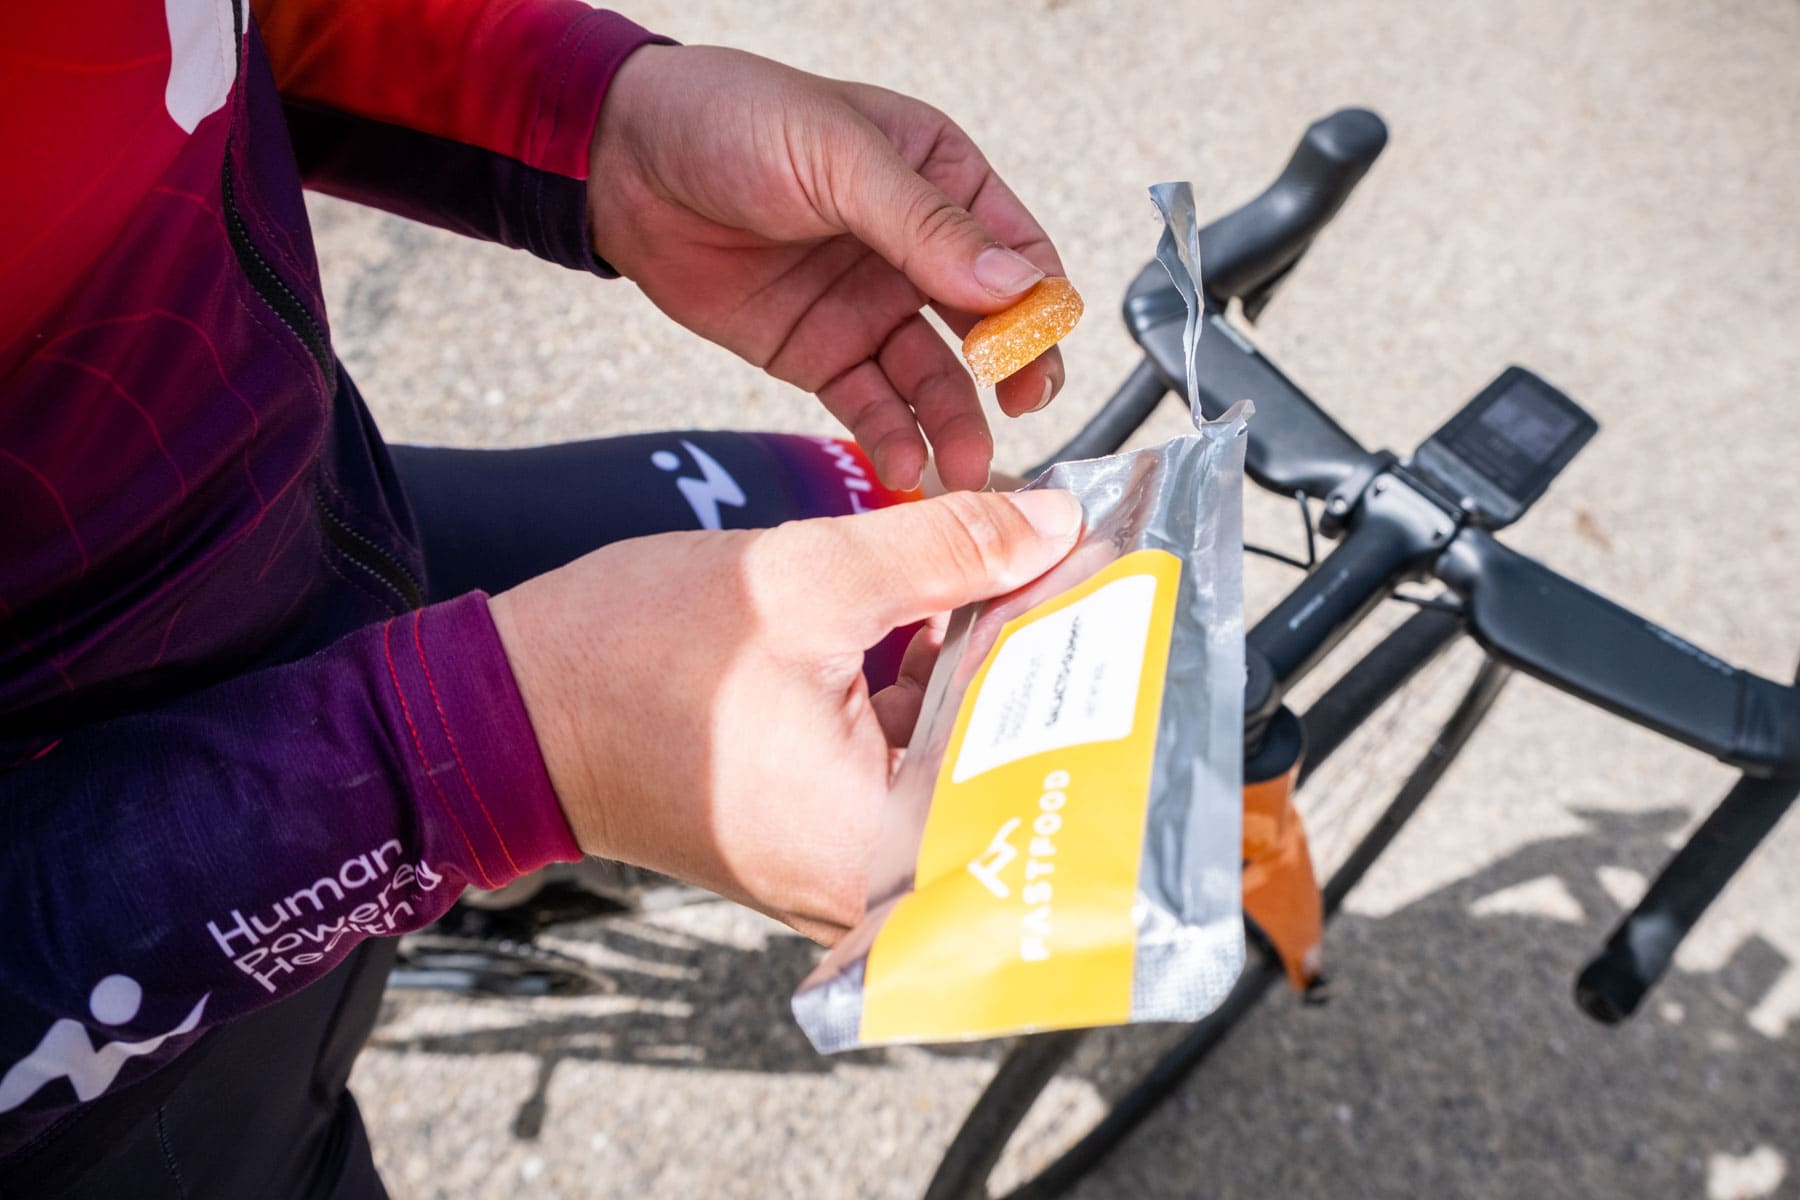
{"x": 67, "y": 1052}
{"x": 704, "y": 495}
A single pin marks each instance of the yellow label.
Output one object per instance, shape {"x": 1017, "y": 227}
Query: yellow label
{"x": 1020, "y": 917}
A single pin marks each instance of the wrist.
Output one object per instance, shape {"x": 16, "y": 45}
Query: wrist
{"x": 616, "y": 171}
{"x": 542, "y": 667}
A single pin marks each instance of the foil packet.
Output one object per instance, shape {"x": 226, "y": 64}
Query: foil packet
{"x": 1062, "y": 842}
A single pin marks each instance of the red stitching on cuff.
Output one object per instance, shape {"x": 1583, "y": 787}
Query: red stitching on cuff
{"x": 444, "y": 722}
{"x": 387, "y": 641}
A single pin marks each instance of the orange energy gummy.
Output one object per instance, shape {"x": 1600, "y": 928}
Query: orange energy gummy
{"x": 1006, "y": 341}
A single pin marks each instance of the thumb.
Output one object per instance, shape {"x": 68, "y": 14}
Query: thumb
{"x": 856, "y": 578}
{"x": 935, "y": 242}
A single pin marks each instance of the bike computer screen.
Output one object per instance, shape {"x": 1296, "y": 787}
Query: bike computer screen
{"x": 1502, "y": 450}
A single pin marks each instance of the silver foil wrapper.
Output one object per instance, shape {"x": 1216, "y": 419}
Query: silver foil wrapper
{"x": 1183, "y": 497}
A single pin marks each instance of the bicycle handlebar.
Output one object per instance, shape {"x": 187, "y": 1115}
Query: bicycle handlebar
{"x": 1523, "y": 612}
{"x": 1249, "y": 248}
{"x": 1397, "y": 525}
{"x": 1528, "y": 616}
{"x": 1294, "y": 445}
{"x": 1551, "y": 627}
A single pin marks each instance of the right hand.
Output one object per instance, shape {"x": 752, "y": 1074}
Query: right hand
{"x": 699, "y": 697}
{"x": 802, "y": 223}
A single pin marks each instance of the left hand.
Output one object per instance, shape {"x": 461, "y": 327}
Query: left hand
{"x": 699, "y": 697}
{"x": 803, "y": 223}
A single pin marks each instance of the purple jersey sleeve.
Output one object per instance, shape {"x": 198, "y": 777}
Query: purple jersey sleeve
{"x": 170, "y": 871}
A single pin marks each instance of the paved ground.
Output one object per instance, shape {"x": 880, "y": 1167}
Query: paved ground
{"x": 1604, "y": 192}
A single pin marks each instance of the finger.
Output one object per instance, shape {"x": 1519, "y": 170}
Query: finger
{"x": 997, "y": 207}
{"x": 1029, "y": 388}
{"x": 950, "y": 160}
{"x": 928, "y": 375}
{"x": 880, "y": 421}
{"x": 897, "y": 709}
{"x": 934, "y": 241}
{"x": 842, "y": 583}
{"x": 897, "y": 705}
{"x": 1032, "y": 386}
{"x": 958, "y": 167}
{"x": 825, "y": 933}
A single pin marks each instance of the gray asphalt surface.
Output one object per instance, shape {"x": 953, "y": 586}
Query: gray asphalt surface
{"x": 1602, "y": 192}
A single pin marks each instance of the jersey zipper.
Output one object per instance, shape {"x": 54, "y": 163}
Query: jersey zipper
{"x": 280, "y": 298}
{"x": 292, "y": 312}
{"x": 262, "y": 276}
{"x": 364, "y": 553}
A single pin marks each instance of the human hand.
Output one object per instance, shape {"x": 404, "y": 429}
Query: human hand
{"x": 699, "y": 697}
{"x": 803, "y": 223}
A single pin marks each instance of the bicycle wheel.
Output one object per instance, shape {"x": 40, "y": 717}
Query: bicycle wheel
{"x": 1042, "y": 1141}
{"x": 491, "y": 966}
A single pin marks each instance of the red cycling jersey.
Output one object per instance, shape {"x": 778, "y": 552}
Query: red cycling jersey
{"x": 190, "y": 489}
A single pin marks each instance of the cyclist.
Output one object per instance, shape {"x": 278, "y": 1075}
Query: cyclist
{"x": 238, "y": 747}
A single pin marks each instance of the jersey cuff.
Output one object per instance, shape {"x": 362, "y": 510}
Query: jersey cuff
{"x": 469, "y": 726}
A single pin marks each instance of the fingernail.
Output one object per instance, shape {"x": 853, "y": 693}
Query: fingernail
{"x": 1049, "y": 391}
{"x": 1004, "y": 273}
{"x": 1054, "y": 513}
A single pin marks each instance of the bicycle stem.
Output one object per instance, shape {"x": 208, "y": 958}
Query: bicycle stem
{"x": 1393, "y": 532}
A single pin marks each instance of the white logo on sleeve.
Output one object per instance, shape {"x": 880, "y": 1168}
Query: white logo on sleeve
{"x": 202, "y": 58}
{"x": 67, "y": 1052}
{"x": 714, "y": 487}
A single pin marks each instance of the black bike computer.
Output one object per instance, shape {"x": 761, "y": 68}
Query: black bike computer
{"x": 1502, "y": 450}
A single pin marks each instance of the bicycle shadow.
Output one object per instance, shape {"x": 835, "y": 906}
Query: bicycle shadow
{"x": 683, "y": 1001}
{"x": 1451, "y": 1060}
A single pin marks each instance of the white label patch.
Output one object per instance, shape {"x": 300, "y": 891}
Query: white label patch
{"x": 1063, "y": 680}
